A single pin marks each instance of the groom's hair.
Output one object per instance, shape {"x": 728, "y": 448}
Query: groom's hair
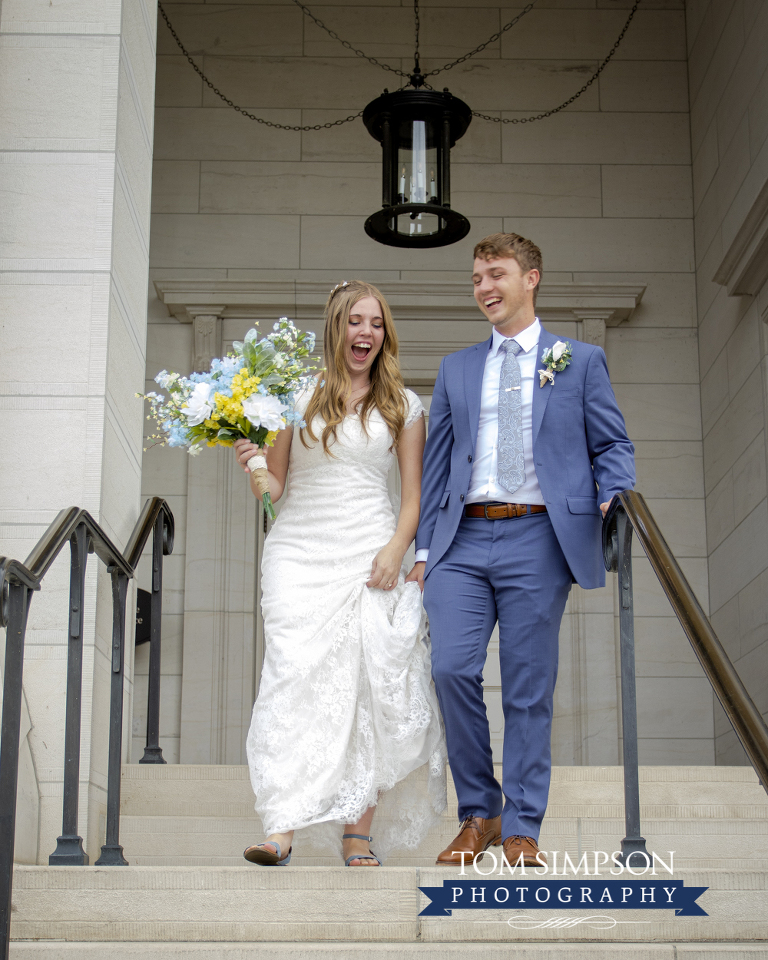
{"x": 512, "y": 245}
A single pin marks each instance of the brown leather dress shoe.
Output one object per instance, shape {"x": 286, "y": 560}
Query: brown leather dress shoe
{"x": 514, "y": 846}
{"x": 475, "y": 836}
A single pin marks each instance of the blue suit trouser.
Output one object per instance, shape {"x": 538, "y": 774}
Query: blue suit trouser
{"x": 513, "y": 571}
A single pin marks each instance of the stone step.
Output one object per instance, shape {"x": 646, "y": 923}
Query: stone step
{"x": 247, "y": 905}
{"x": 712, "y": 816}
{"x": 387, "y": 951}
{"x": 685, "y": 792}
{"x": 202, "y": 840}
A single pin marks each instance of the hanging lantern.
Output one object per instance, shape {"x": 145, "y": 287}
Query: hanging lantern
{"x": 416, "y": 129}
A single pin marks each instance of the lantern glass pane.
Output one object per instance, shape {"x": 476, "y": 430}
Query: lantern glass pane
{"x": 416, "y": 163}
{"x": 421, "y": 225}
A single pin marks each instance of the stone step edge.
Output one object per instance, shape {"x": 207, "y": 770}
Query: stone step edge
{"x": 228, "y": 820}
{"x": 351, "y": 950}
{"x": 648, "y": 774}
{"x": 245, "y": 876}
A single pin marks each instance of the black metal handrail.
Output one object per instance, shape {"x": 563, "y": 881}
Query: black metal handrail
{"x": 629, "y": 513}
{"x": 18, "y": 581}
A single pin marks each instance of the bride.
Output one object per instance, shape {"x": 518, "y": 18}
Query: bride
{"x": 345, "y": 723}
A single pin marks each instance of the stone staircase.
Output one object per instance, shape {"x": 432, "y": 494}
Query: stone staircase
{"x": 188, "y": 894}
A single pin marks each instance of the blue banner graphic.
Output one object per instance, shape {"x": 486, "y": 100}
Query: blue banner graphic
{"x": 526, "y": 894}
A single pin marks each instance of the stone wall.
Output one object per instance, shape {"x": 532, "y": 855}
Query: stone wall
{"x": 729, "y": 134}
{"x": 603, "y": 187}
{"x": 76, "y": 92}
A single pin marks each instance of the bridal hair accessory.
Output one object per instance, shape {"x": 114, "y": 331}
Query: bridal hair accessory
{"x": 556, "y": 359}
{"x": 249, "y": 394}
{"x": 339, "y": 286}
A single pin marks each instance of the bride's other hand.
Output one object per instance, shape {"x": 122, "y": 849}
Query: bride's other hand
{"x": 417, "y": 575}
{"x": 244, "y": 450}
{"x": 386, "y": 568}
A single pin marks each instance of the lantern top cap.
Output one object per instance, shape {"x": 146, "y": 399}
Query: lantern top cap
{"x": 417, "y": 104}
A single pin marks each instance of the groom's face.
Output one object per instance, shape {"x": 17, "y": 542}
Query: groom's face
{"x": 502, "y": 290}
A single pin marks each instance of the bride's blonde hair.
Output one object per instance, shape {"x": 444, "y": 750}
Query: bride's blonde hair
{"x": 334, "y": 386}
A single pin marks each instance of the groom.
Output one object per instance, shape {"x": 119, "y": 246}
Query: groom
{"x": 517, "y": 470}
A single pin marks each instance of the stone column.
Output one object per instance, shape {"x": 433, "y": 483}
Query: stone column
{"x": 219, "y": 668}
{"x": 76, "y": 117}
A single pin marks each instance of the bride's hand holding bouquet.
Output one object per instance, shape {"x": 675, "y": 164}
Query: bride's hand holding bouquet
{"x": 248, "y": 395}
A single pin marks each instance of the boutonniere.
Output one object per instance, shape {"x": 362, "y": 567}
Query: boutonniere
{"x": 555, "y": 360}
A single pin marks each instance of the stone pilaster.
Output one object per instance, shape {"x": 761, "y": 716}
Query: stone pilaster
{"x": 76, "y": 124}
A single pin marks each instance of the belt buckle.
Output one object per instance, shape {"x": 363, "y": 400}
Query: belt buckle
{"x": 485, "y": 510}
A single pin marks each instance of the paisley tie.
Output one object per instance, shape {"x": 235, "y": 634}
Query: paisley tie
{"x": 511, "y": 465}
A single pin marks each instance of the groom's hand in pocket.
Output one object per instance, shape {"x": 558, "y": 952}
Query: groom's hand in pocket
{"x": 417, "y": 575}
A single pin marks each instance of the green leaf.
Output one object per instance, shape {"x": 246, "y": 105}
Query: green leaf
{"x": 257, "y": 435}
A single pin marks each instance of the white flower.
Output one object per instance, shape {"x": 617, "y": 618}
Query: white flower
{"x": 264, "y": 411}
{"x": 558, "y": 350}
{"x": 198, "y": 406}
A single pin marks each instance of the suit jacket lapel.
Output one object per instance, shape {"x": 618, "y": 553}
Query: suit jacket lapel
{"x": 541, "y": 395}
{"x": 474, "y": 368}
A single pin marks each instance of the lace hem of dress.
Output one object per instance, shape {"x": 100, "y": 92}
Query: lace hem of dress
{"x": 355, "y": 724}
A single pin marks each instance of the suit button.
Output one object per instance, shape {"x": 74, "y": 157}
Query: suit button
{"x": 461, "y": 497}
{"x": 469, "y": 458}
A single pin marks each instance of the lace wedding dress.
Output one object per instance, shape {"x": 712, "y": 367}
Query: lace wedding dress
{"x": 345, "y": 717}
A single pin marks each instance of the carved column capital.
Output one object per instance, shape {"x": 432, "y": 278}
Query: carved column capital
{"x": 206, "y": 321}
{"x": 593, "y": 324}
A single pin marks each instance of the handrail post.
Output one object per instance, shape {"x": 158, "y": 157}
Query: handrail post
{"x": 633, "y": 843}
{"x": 16, "y": 602}
{"x": 152, "y": 751}
{"x": 69, "y": 847}
{"x": 111, "y": 851}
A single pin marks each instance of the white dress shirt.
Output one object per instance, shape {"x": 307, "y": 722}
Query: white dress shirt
{"x": 483, "y": 483}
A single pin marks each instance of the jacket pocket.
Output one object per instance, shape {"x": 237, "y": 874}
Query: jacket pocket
{"x": 582, "y": 505}
{"x": 444, "y": 498}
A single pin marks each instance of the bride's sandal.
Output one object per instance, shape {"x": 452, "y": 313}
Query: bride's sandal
{"x": 358, "y": 856}
{"x": 265, "y": 858}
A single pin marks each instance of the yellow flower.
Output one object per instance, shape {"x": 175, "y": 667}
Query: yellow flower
{"x": 225, "y": 442}
{"x": 228, "y": 407}
{"x": 270, "y": 437}
{"x": 211, "y": 443}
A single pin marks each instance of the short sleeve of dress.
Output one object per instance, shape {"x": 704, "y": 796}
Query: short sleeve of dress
{"x": 415, "y": 408}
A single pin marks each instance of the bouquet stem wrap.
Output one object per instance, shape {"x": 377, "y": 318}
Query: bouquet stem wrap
{"x": 257, "y": 464}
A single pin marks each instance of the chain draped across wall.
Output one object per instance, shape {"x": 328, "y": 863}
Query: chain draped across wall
{"x": 416, "y": 79}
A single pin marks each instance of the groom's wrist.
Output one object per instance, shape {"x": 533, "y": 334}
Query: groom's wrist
{"x": 422, "y": 555}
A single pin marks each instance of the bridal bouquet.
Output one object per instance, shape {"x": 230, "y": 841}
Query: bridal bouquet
{"x": 249, "y": 393}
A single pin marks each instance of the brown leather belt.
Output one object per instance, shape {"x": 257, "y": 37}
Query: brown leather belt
{"x": 502, "y": 511}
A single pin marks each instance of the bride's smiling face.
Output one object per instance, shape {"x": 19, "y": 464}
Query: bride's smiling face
{"x": 365, "y": 335}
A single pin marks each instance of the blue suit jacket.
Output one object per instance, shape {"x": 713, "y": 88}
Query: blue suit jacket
{"x": 580, "y": 447}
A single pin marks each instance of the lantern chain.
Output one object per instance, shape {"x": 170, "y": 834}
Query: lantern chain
{"x": 417, "y": 24}
{"x": 587, "y": 85}
{"x": 417, "y": 75}
{"x": 241, "y": 110}
{"x": 345, "y": 43}
{"x": 482, "y": 46}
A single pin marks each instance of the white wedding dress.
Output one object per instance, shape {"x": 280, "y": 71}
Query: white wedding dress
{"x": 345, "y": 717}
